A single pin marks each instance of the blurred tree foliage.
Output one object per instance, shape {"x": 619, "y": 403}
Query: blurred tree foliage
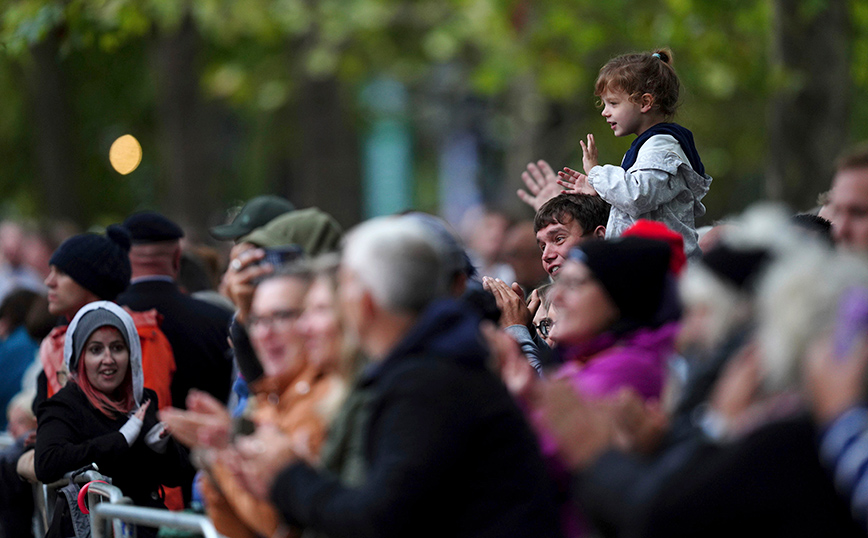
{"x": 232, "y": 98}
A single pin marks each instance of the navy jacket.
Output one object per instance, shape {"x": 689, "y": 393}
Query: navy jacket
{"x": 448, "y": 451}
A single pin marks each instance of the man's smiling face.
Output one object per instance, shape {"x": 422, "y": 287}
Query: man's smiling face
{"x": 555, "y": 242}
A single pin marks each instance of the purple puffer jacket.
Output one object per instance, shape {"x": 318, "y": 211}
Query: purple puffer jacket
{"x": 600, "y": 368}
{"x": 608, "y": 363}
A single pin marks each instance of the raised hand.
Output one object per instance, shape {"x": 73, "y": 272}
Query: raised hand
{"x": 542, "y": 183}
{"x": 238, "y": 281}
{"x": 205, "y": 422}
{"x": 575, "y": 182}
{"x": 738, "y": 387}
{"x": 589, "y": 154}
{"x": 140, "y": 412}
{"x": 509, "y": 362}
{"x": 639, "y": 425}
{"x": 533, "y": 303}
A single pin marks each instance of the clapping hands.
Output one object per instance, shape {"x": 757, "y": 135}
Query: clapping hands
{"x": 205, "y": 422}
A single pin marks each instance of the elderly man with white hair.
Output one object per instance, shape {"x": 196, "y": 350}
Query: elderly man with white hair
{"x": 447, "y": 451}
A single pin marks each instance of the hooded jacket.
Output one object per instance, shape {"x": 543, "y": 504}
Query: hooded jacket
{"x": 661, "y": 185}
{"x": 73, "y": 433}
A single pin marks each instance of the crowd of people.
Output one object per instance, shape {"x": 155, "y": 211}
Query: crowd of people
{"x": 607, "y": 369}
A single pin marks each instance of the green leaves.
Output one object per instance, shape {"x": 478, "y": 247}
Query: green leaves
{"x": 29, "y": 22}
{"x": 254, "y": 54}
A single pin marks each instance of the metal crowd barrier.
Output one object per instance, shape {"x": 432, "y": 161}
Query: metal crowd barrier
{"x": 153, "y": 517}
{"x": 112, "y": 515}
{"x": 119, "y": 510}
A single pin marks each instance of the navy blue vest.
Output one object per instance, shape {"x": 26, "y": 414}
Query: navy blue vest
{"x": 681, "y": 134}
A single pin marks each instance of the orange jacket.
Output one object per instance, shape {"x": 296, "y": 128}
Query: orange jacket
{"x": 298, "y": 403}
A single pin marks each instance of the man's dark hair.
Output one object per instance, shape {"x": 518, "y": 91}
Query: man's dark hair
{"x": 590, "y": 212}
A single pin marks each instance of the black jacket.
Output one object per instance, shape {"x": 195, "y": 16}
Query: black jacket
{"x": 72, "y": 434}
{"x": 197, "y": 332}
{"x": 448, "y": 451}
{"x": 768, "y": 484}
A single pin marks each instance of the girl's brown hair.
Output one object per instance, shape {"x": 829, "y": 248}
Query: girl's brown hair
{"x": 641, "y": 73}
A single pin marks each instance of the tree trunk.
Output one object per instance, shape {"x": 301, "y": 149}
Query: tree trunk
{"x": 528, "y": 113}
{"x": 327, "y": 170}
{"x": 808, "y": 124}
{"x": 53, "y": 143}
{"x": 187, "y": 171}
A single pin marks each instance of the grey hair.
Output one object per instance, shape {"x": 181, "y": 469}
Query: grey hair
{"x": 798, "y": 301}
{"x": 762, "y": 226}
{"x": 797, "y": 294}
{"x": 397, "y": 260}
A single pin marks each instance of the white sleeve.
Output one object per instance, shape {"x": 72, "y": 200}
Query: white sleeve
{"x": 131, "y": 430}
{"x": 155, "y": 438}
{"x": 648, "y": 184}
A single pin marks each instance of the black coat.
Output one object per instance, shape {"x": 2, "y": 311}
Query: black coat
{"x": 768, "y": 484}
{"x": 197, "y": 332}
{"x": 72, "y": 434}
{"x": 448, "y": 452}
{"x": 618, "y": 484}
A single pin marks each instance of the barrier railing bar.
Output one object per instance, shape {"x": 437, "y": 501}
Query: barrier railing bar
{"x": 114, "y": 494}
{"x": 152, "y": 517}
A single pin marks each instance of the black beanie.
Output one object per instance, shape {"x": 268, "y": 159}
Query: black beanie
{"x": 740, "y": 267}
{"x": 632, "y": 270}
{"x": 99, "y": 264}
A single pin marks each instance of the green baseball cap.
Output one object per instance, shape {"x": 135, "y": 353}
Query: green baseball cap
{"x": 256, "y": 213}
{"x": 314, "y": 230}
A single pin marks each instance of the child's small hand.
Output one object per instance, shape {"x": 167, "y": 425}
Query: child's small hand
{"x": 589, "y": 154}
{"x": 575, "y": 182}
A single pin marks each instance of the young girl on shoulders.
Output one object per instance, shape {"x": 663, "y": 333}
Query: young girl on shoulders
{"x": 661, "y": 176}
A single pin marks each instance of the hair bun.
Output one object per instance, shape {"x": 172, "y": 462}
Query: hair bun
{"x": 664, "y": 55}
{"x": 119, "y": 236}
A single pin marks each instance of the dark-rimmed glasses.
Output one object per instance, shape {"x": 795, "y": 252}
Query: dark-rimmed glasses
{"x": 545, "y": 326}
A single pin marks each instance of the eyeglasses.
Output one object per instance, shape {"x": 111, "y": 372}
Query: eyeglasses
{"x": 545, "y": 326}
{"x": 279, "y": 319}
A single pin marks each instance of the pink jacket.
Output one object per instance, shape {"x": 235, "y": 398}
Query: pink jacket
{"x": 600, "y": 368}
{"x": 608, "y": 363}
